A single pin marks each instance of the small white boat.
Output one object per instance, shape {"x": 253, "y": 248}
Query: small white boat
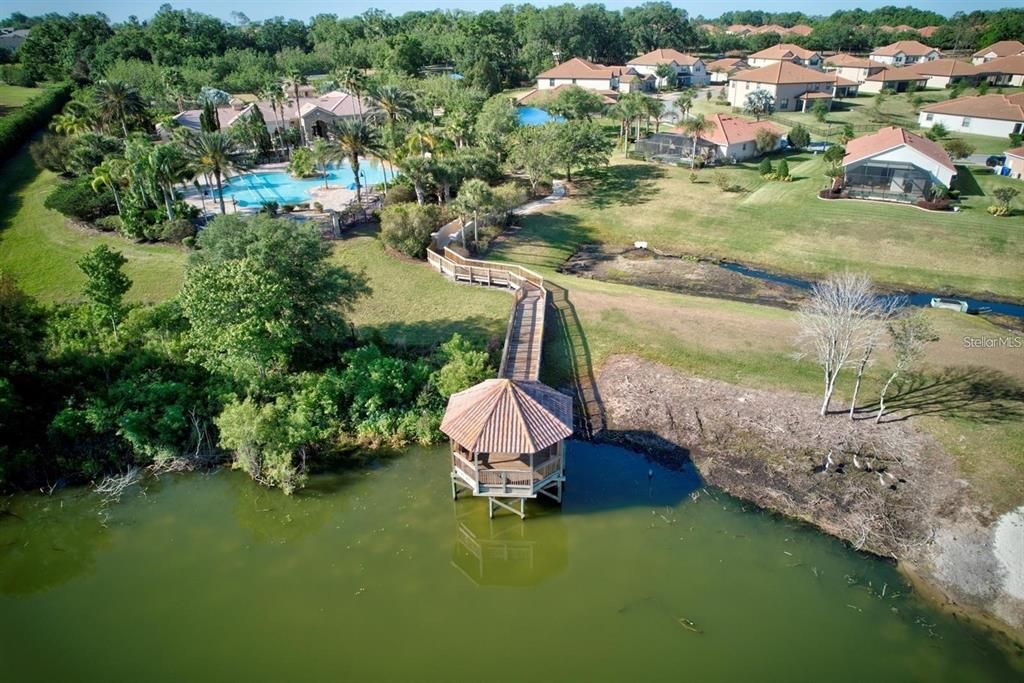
{"x": 949, "y": 304}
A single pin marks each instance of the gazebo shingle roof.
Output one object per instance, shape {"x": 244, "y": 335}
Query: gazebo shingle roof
{"x": 506, "y": 416}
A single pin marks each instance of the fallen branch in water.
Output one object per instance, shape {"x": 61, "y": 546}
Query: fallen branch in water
{"x": 114, "y": 485}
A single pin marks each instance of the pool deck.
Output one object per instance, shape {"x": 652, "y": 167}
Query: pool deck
{"x": 334, "y": 197}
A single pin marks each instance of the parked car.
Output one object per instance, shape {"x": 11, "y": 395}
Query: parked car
{"x": 995, "y": 160}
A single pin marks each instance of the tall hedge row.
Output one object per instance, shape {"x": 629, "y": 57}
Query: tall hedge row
{"x": 18, "y": 126}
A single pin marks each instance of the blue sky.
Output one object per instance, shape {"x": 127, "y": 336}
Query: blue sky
{"x": 303, "y": 9}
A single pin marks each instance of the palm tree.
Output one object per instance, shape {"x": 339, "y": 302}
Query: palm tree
{"x": 215, "y": 153}
{"x": 422, "y": 138}
{"x": 356, "y": 138}
{"x": 351, "y": 81}
{"x": 117, "y": 101}
{"x": 654, "y": 109}
{"x": 74, "y": 120}
{"x": 683, "y": 103}
{"x": 169, "y": 166}
{"x": 294, "y": 80}
{"x": 475, "y": 196}
{"x": 696, "y": 127}
{"x": 273, "y": 93}
{"x": 419, "y": 170}
{"x": 323, "y": 154}
{"x": 109, "y": 174}
{"x": 392, "y": 104}
{"x": 633, "y": 108}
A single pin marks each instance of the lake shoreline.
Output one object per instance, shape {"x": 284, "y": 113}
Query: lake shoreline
{"x": 771, "y": 449}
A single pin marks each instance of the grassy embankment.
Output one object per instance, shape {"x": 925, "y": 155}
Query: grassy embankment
{"x": 14, "y": 96}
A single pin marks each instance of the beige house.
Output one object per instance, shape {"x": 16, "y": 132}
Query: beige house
{"x": 720, "y": 70}
{"x": 896, "y": 80}
{"x": 904, "y": 53}
{"x": 856, "y": 69}
{"x": 1015, "y": 162}
{"x": 1004, "y": 48}
{"x": 689, "y": 70}
{"x": 785, "y": 52}
{"x": 795, "y": 88}
{"x": 736, "y": 138}
{"x": 586, "y": 74}
{"x": 944, "y": 72}
{"x": 316, "y": 114}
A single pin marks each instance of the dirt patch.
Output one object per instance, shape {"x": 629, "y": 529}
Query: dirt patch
{"x": 888, "y": 489}
{"x": 685, "y": 275}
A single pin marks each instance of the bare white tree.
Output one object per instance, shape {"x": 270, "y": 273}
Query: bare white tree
{"x": 871, "y": 335}
{"x": 832, "y": 322}
{"x": 908, "y": 336}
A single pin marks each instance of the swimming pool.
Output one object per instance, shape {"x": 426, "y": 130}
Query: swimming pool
{"x": 258, "y": 188}
{"x": 532, "y": 116}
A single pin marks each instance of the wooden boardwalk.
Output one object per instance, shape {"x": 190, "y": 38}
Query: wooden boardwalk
{"x": 524, "y": 337}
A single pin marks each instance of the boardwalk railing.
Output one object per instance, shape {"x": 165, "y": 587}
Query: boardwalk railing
{"x": 488, "y": 273}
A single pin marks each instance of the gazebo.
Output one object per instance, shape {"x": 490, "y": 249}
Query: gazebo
{"x": 507, "y": 441}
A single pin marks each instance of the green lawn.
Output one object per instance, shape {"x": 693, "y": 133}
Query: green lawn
{"x": 781, "y": 226}
{"x": 14, "y": 96}
{"x": 411, "y": 304}
{"x": 40, "y": 251}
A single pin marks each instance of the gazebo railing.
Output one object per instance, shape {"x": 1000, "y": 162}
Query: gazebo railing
{"x": 511, "y": 481}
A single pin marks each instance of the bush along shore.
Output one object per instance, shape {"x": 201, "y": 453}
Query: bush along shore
{"x": 252, "y": 362}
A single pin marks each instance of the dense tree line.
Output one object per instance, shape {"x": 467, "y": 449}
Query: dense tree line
{"x": 253, "y": 359}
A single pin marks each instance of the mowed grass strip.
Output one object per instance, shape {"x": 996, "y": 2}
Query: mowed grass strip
{"x": 782, "y": 227}
{"x": 14, "y": 96}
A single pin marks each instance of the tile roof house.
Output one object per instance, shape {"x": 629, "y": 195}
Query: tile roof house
{"x": 945, "y": 71}
{"x": 785, "y": 52}
{"x": 904, "y": 52}
{"x": 317, "y": 113}
{"x": 853, "y": 68}
{"x": 736, "y": 138}
{"x": 537, "y": 97}
{"x": 927, "y": 31}
{"x": 991, "y": 115}
{"x": 794, "y": 87}
{"x": 586, "y": 74}
{"x": 1004, "y": 71}
{"x": 897, "y": 79}
{"x": 1004, "y": 48}
{"x": 689, "y": 70}
{"x": 720, "y": 70}
{"x": 893, "y": 164}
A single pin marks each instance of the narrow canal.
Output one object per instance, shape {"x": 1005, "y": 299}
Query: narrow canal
{"x": 378, "y": 575}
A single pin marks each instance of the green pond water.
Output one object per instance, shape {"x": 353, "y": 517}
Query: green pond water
{"x": 378, "y": 575}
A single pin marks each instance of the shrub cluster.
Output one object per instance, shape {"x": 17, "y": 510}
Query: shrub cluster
{"x": 76, "y": 199}
{"x": 18, "y": 126}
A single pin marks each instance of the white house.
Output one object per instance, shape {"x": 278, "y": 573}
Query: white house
{"x": 785, "y": 52}
{"x": 1015, "y": 162}
{"x": 1004, "y": 71}
{"x": 578, "y": 71}
{"x": 736, "y": 138}
{"x": 894, "y": 164}
{"x": 904, "y": 53}
{"x": 856, "y": 69}
{"x": 689, "y": 70}
{"x": 720, "y": 70}
{"x": 1004, "y": 48}
{"x": 992, "y": 115}
{"x": 795, "y": 88}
